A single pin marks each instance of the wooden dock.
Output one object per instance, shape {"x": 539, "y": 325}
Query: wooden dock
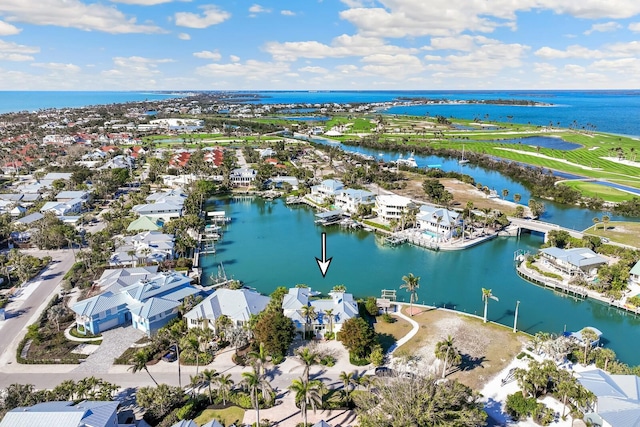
{"x": 547, "y": 282}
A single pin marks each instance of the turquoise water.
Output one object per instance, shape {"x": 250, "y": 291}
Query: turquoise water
{"x": 269, "y": 244}
{"x": 430, "y": 234}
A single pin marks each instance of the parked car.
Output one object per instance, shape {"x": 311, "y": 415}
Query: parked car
{"x": 604, "y": 240}
{"x": 383, "y": 371}
{"x": 171, "y": 355}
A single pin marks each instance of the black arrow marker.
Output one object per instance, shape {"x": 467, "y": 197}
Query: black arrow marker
{"x": 323, "y": 264}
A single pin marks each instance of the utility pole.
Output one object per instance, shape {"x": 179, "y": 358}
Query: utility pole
{"x": 515, "y": 319}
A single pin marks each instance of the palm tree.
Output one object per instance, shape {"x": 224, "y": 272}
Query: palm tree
{"x": 596, "y": 220}
{"x": 347, "y": 379}
{"x": 307, "y": 393}
{"x": 517, "y": 197}
{"x": 225, "y": 384}
{"x": 260, "y": 359}
{"x": 411, "y": 284}
{"x": 191, "y": 344}
{"x": 607, "y": 354}
{"x": 309, "y": 313}
{"x": 308, "y": 358}
{"x": 255, "y": 384}
{"x": 605, "y": 220}
{"x": 195, "y": 382}
{"x": 505, "y": 193}
{"x": 588, "y": 337}
{"x": 486, "y": 294}
{"x": 208, "y": 376}
{"x": 446, "y": 351}
{"x": 329, "y": 313}
{"x": 140, "y": 360}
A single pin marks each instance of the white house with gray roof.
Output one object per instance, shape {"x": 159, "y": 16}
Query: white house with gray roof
{"x": 617, "y": 398}
{"x": 439, "y": 221}
{"x": 327, "y": 188}
{"x": 342, "y": 305}
{"x": 147, "y": 246}
{"x": 236, "y": 304}
{"x": 573, "y": 261}
{"x": 349, "y": 199}
{"x": 64, "y": 414}
{"x": 165, "y": 205}
{"x": 148, "y": 304}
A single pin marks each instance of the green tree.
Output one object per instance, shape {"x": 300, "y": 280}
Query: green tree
{"x": 307, "y": 393}
{"x": 256, "y": 385}
{"x": 140, "y": 360}
{"x": 259, "y": 358}
{"x": 486, "y": 295}
{"x": 275, "y": 330}
{"x": 447, "y": 352}
{"x": 596, "y": 221}
{"x": 225, "y": 384}
{"x": 605, "y": 221}
{"x": 308, "y": 357}
{"x": 357, "y": 336}
{"x": 209, "y": 376}
{"x": 348, "y": 380}
{"x": 589, "y": 336}
{"x": 308, "y": 312}
{"x": 411, "y": 284}
{"x": 517, "y": 197}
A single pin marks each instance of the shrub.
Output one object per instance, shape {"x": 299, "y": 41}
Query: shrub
{"x": 329, "y": 336}
{"x": 387, "y": 318}
{"x": 241, "y": 399}
{"x": 371, "y": 306}
{"x": 328, "y": 361}
{"x": 377, "y": 356}
{"x": 519, "y": 407}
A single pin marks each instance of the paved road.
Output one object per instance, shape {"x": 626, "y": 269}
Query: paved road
{"x": 23, "y": 312}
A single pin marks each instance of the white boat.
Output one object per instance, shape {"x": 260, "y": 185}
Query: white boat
{"x": 462, "y": 159}
{"x": 409, "y": 161}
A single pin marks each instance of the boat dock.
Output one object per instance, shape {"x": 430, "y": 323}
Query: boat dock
{"x": 412, "y": 238}
{"x": 329, "y": 218}
{"x": 218, "y": 217}
{"x": 547, "y": 282}
{"x": 395, "y": 240}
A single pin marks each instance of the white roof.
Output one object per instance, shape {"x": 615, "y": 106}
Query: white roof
{"x": 88, "y": 413}
{"x": 236, "y": 304}
{"x": 618, "y": 396}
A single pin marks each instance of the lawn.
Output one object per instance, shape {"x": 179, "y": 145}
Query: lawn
{"x": 591, "y": 189}
{"x": 389, "y": 333}
{"x": 486, "y": 348}
{"x": 227, "y": 416}
{"x": 627, "y": 233}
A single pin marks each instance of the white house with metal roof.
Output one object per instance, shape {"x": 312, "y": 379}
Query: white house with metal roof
{"x": 236, "y": 304}
{"x": 573, "y": 261}
{"x": 148, "y": 304}
{"x": 243, "y": 177}
{"x": 327, "y": 188}
{"x": 349, "y": 199}
{"x": 342, "y": 305}
{"x": 617, "y": 398}
{"x": 165, "y": 205}
{"x": 391, "y": 206}
{"x": 440, "y": 221}
{"x": 64, "y": 414}
{"x": 147, "y": 246}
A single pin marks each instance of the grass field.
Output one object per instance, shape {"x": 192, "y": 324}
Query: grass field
{"x": 627, "y": 233}
{"x": 486, "y": 348}
{"x": 592, "y": 189}
{"x": 389, "y": 333}
{"x": 227, "y": 416}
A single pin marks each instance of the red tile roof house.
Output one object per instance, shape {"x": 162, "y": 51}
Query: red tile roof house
{"x": 180, "y": 160}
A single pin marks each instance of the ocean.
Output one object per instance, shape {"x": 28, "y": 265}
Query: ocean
{"x": 610, "y": 111}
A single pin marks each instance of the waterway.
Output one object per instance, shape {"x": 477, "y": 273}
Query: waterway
{"x": 269, "y": 244}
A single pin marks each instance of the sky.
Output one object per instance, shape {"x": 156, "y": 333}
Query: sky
{"x": 319, "y": 44}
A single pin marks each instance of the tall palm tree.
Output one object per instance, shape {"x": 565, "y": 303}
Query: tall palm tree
{"x": 225, "y": 384}
{"x": 209, "y": 376}
{"x": 309, "y": 313}
{"x": 308, "y": 358}
{"x": 596, "y": 220}
{"x": 191, "y": 344}
{"x": 446, "y": 351}
{"x": 565, "y": 387}
{"x": 347, "y": 379}
{"x": 140, "y": 360}
{"x": 588, "y": 337}
{"x": 260, "y": 359}
{"x": 411, "y": 284}
{"x": 329, "y": 313}
{"x": 308, "y": 393}
{"x": 486, "y": 294}
{"x": 256, "y": 385}
{"x": 605, "y": 221}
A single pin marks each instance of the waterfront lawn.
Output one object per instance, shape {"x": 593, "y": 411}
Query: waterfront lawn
{"x": 627, "y": 233}
{"x": 227, "y": 416}
{"x": 486, "y": 348}
{"x": 389, "y": 333}
{"x": 592, "y": 189}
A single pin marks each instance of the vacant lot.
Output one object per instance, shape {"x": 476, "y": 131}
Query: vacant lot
{"x": 486, "y": 348}
{"x": 627, "y": 233}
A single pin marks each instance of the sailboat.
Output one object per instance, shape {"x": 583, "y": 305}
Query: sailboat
{"x": 462, "y": 159}
{"x": 409, "y": 161}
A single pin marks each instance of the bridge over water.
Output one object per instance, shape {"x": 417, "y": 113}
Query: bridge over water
{"x": 542, "y": 227}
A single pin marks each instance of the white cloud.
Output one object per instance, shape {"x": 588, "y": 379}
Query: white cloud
{"x": 73, "y": 14}
{"x": 10, "y": 51}
{"x": 184, "y": 36}
{"x": 212, "y": 15}
{"x": 314, "y": 70}
{"x": 15, "y": 57}
{"x": 143, "y": 2}
{"x": 135, "y": 65}
{"x": 251, "y": 70}
{"x": 635, "y": 27}
{"x": 392, "y": 67}
{"x": 624, "y": 66}
{"x": 206, "y": 54}
{"x": 573, "y": 51}
{"x": 591, "y": 9}
{"x": 287, "y": 12}
{"x": 342, "y": 46}
{"x": 57, "y": 66}
{"x": 256, "y": 8}
{"x": 603, "y": 28}
{"x": 234, "y": 58}
{"x": 7, "y": 29}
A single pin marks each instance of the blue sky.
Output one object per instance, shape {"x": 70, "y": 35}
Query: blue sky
{"x": 319, "y": 44}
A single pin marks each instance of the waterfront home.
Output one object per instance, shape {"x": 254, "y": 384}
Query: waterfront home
{"x": 391, "y": 206}
{"x": 439, "y": 221}
{"x": 67, "y": 414}
{"x": 342, "y": 305}
{"x": 349, "y": 199}
{"x": 617, "y": 398}
{"x": 326, "y": 189}
{"x": 634, "y": 274}
{"x": 238, "y": 305}
{"x": 115, "y": 279}
{"x": 243, "y": 177}
{"x": 145, "y": 247}
{"x": 148, "y": 304}
{"x": 278, "y": 181}
{"x": 582, "y": 261}
{"x": 162, "y": 205}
